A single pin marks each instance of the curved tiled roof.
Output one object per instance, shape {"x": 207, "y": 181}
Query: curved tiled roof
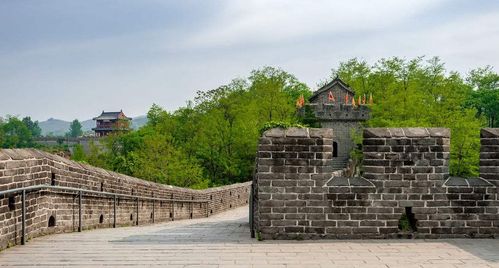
{"x": 328, "y": 86}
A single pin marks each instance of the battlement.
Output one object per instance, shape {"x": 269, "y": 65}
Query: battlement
{"x": 405, "y": 190}
{"x": 340, "y": 112}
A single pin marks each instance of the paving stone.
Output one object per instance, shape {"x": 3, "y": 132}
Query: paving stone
{"x": 223, "y": 241}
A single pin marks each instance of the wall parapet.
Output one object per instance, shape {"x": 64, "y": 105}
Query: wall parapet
{"x": 405, "y": 190}
{"x": 28, "y": 167}
{"x": 489, "y": 155}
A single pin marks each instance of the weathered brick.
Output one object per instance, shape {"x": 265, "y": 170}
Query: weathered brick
{"x": 407, "y": 169}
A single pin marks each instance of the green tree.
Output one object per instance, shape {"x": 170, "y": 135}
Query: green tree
{"x": 214, "y": 137}
{"x": 485, "y": 97}
{"x": 2, "y": 134}
{"x": 78, "y": 153}
{"x": 98, "y": 157}
{"x": 155, "y": 114}
{"x": 161, "y": 162}
{"x": 16, "y": 134}
{"x": 274, "y": 93}
{"x": 75, "y": 129}
{"x": 33, "y": 127}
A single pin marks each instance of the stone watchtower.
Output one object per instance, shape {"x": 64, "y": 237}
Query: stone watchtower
{"x": 333, "y": 107}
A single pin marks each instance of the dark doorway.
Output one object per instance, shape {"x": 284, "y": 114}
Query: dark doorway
{"x": 335, "y": 149}
{"x": 51, "y": 221}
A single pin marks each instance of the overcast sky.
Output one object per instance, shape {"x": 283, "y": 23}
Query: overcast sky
{"x": 73, "y": 59}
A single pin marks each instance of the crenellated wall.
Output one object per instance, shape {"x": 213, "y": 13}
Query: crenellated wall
{"x": 405, "y": 190}
{"x": 489, "y": 155}
{"x": 27, "y": 167}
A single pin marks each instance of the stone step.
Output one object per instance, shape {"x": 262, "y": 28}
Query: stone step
{"x": 339, "y": 164}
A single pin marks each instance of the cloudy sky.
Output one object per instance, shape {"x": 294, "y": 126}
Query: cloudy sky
{"x": 73, "y": 59}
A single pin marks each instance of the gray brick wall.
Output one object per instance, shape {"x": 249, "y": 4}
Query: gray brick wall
{"x": 405, "y": 171}
{"x": 489, "y": 155}
{"x": 20, "y": 168}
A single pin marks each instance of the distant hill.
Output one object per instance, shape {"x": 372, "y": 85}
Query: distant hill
{"x": 54, "y": 127}
{"x": 57, "y": 127}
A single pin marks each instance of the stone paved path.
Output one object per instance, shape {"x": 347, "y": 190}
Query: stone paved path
{"x": 223, "y": 241}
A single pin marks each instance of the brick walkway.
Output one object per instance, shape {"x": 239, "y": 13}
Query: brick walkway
{"x": 223, "y": 241}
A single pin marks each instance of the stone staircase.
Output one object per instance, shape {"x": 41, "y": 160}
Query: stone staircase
{"x": 339, "y": 164}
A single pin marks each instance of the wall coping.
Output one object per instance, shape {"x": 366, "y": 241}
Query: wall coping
{"x": 296, "y": 132}
{"x": 489, "y": 133}
{"x": 406, "y": 132}
{"x": 34, "y": 154}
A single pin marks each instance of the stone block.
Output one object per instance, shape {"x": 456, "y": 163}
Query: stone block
{"x": 326, "y": 133}
{"x": 376, "y": 133}
{"x": 296, "y": 132}
{"x": 489, "y": 162}
{"x": 339, "y": 230}
{"x": 416, "y": 132}
{"x": 271, "y": 148}
{"x": 489, "y": 133}
{"x": 439, "y": 132}
{"x": 397, "y": 132}
{"x": 274, "y": 132}
{"x": 295, "y": 229}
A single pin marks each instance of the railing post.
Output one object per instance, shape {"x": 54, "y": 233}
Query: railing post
{"x": 114, "y": 212}
{"x": 23, "y": 216}
{"x": 173, "y": 210}
{"x": 153, "y": 203}
{"x": 137, "y": 211}
{"x": 251, "y": 213}
{"x": 80, "y": 224}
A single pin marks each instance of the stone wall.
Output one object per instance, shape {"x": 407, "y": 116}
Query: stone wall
{"x": 405, "y": 190}
{"x": 85, "y": 142}
{"x": 489, "y": 155}
{"x": 21, "y": 168}
{"x": 292, "y": 167}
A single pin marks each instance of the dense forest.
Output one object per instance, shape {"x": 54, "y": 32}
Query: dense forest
{"x": 419, "y": 93}
{"x": 213, "y": 139}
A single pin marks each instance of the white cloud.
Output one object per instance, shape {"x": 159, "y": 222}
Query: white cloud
{"x": 70, "y": 79}
{"x": 463, "y": 44}
{"x": 260, "y": 21}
